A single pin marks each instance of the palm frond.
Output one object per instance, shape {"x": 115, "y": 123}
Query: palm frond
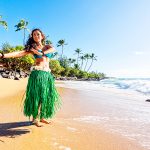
{"x": 4, "y": 24}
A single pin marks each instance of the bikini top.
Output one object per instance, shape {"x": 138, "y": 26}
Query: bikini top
{"x": 49, "y": 55}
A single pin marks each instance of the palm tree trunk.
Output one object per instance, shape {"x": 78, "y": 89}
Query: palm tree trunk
{"x": 85, "y": 64}
{"x": 62, "y": 51}
{"x": 81, "y": 64}
{"x": 90, "y": 65}
{"x": 77, "y": 58}
{"x": 24, "y": 36}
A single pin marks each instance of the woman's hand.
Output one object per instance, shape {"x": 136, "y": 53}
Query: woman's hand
{"x": 35, "y": 51}
{"x": 0, "y": 55}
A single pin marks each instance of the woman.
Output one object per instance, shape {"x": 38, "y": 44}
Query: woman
{"x": 42, "y": 99}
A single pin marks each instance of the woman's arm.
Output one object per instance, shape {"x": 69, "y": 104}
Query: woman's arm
{"x": 48, "y": 49}
{"x": 15, "y": 54}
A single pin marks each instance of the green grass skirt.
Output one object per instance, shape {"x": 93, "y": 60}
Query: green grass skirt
{"x": 41, "y": 93}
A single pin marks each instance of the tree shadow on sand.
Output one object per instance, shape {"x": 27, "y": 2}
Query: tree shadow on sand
{"x": 9, "y": 129}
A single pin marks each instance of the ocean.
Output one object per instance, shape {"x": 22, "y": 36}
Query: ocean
{"x": 140, "y": 85}
{"x": 123, "y": 108}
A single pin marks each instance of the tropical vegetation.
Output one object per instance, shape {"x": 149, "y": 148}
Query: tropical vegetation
{"x": 61, "y": 65}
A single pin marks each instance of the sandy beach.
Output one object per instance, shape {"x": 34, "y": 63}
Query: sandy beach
{"x": 64, "y": 132}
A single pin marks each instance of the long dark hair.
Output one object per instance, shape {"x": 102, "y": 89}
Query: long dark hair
{"x": 31, "y": 43}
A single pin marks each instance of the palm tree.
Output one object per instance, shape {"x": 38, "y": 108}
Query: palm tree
{"x": 73, "y": 61}
{"x": 61, "y": 43}
{"x": 87, "y": 57}
{"x": 76, "y": 66}
{"x": 92, "y": 57}
{"x": 78, "y": 52}
{"x": 3, "y": 23}
{"x": 22, "y": 25}
{"x": 70, "y": 61}
{"x": 47, "y": 41}
{"x": 82, "y": 59}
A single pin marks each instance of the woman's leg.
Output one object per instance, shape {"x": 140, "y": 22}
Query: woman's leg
{"x": 43, "y": 120}
{"x": 36, "y": 120}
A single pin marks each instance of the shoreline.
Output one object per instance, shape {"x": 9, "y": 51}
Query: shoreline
{"x": 64, "y": 132}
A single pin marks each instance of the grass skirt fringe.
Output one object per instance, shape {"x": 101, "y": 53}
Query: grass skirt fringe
{"x": 41, "y": 93}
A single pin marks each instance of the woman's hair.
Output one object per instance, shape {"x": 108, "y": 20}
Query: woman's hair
{"x": 31, "y": 43}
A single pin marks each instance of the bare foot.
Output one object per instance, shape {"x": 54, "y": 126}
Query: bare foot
{"x": 45, "y": 121}
{"x": 37, "y": 123}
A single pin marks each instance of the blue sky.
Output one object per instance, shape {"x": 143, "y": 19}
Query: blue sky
{"x": 117, "y": 31}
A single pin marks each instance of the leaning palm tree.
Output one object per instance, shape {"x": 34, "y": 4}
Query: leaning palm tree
{"x": 61, "y": 43}
{"x": 92, "y": 57}
{"x": 87, "y": 57}
{"x": 22, "y": 25}
{"x": 78, "y": 52}
{"x": 82, "y": 59}
{"x": 3, "y": 23}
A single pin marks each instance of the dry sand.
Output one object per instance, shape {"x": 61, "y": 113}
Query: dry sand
{"x": 64, "y": 133}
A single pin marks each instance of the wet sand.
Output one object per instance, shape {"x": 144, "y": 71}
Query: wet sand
{"x": 64, "y": 133}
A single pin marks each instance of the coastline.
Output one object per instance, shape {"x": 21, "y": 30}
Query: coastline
{"x": 64, "y": 132}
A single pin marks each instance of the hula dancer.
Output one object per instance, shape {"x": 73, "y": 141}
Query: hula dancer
{"x": 42, "y": 99}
